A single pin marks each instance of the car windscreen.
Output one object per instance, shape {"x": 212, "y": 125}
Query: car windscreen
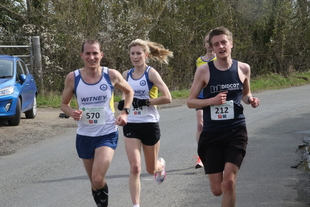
{"x": 6, "y": 68}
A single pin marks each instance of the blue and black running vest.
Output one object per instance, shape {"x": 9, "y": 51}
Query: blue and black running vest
{"x": 221, "y": 81}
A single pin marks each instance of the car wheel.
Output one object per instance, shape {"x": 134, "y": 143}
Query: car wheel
{"x": 33, "y": 111}
{"x": 16, "y": 119}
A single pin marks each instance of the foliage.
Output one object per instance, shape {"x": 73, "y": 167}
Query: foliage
{"x": 270, "y": 35}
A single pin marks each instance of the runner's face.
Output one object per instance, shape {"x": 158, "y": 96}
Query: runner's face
{"x": 137, "y": 56}
{"x": 221, "y": 45}
{"x": 91, "y": 56}
{"x": 207, "y": 45}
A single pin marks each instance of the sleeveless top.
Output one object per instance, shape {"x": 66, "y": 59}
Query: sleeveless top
{"x": 200, "y": 62}
{"x": 96, "y": 102}
{"x": 230, "y": 114}
{"x": 143, "y": 89}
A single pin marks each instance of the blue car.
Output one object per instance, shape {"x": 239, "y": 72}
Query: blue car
{"x": 18, "y": 90}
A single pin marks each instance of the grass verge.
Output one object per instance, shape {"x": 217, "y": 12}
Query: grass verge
{"x": 261, "y": 83}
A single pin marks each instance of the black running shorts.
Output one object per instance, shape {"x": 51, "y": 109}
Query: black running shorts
{"x": 217, "y": 148}
{"x": 148, "y": 133}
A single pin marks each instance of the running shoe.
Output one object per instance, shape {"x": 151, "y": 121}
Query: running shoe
{"x": 160, "y": 176}
{"x": 198, "y": 163}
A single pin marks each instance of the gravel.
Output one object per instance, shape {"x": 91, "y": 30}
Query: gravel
{"x": 46, "y": 125}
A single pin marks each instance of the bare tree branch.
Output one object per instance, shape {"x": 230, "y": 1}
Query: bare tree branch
{"x": 13, "y": 14}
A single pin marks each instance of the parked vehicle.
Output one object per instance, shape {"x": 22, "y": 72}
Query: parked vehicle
{"x": 18, "y": 90}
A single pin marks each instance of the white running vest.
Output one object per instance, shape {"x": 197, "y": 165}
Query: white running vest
{"x": 95, "y": 102}
{"x": 143, "y": 89}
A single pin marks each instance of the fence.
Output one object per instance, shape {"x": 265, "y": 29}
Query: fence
{"x": 35, "y": 60}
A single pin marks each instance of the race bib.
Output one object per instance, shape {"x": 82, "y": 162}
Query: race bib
{"x": 92, "y": 116}
{"x": 140, "y": 111}
{"x": 223, "y": 112}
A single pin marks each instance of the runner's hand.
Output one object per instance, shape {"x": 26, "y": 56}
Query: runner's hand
{"x": 220, "y": 98}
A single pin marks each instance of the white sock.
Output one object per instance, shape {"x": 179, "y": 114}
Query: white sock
{"x": 136, "y": 205}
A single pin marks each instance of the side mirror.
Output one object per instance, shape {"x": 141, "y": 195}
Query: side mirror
{"x": 22, "y": 78}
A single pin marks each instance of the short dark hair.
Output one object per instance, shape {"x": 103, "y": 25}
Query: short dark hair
{"x": 220, "y": 31}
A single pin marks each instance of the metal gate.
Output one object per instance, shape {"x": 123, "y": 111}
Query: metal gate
{"x": 35, "y": 63}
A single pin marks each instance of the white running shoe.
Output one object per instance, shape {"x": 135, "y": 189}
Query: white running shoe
{"x": 160, "y": 176}
{"x": 198, "y": 163}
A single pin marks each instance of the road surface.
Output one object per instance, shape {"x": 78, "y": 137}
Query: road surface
{"x": 49, "y": 174}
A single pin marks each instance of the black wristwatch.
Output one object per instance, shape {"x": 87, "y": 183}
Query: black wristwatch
{"x": 147, "y": 102}
{"x": 127, "y": 110}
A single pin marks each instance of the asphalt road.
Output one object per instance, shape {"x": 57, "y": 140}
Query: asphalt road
{"x": 49, "y": 174}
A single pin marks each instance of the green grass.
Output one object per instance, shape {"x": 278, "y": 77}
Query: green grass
{"x": 52, "y": 99}
{"x": 49, "y": 100}
{"x": 273, "y": 81}
{"x": 265, "y": 82}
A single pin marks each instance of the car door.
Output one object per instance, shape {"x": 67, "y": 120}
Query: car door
{"x": 29, "y": 88}
{"x": 20, "y": 86}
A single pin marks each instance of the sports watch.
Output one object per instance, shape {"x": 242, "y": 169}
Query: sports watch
{"x": 127, "y": 110}
{"x": 147, "y": 102}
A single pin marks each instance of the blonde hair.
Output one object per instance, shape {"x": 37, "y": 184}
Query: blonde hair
{"x": 155, "y": 50}
{"x": 207, "y": 38}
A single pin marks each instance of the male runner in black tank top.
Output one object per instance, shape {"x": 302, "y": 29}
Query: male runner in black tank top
{"x": 222, "y": 143}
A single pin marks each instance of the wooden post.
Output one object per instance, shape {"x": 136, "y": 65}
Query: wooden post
{"x": 37, "y": 60}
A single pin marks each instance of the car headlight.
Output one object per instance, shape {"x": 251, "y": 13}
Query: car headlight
{"x": 6, "y": 91}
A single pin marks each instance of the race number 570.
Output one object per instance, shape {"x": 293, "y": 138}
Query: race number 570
{"x": 91, "y": 115}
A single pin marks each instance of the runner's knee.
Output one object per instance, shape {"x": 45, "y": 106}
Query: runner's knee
{"x": 228, "y": 185}
{"x": 135, "y": 169}
{"x": 98, "y": 181}
{"x": 216, "y": 190}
